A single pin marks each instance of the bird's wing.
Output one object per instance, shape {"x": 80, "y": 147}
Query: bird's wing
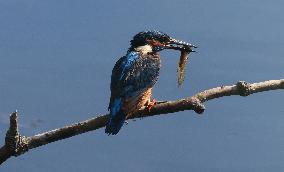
{"x": 132, "y": 75}
{"x": 119, "y": 70}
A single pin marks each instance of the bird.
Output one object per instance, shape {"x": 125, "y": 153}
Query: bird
{"x": 135, "y": 74}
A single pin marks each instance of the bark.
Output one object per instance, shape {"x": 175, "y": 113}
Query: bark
{"x": 16, "y": 144}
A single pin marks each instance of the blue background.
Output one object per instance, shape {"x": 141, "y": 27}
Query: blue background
{"x": 55, "y": 65}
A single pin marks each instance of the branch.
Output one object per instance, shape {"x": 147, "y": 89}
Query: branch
{"x": 16, "y": 144}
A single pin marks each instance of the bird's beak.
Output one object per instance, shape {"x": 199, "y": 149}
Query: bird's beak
{"x": 180, "y": 45}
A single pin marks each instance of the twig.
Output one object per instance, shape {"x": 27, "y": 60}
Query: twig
{"x": 16, "y": 144}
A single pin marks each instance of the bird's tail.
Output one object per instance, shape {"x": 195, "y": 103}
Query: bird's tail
{"x": 117, "y": 118}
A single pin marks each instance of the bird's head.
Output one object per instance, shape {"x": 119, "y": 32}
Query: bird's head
{"x": 155, "y": 41}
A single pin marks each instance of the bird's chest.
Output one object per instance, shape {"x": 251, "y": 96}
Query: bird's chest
{"x": 147, "y": 66}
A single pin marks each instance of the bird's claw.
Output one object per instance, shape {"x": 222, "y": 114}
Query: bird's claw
{"x": 150, "y": 104}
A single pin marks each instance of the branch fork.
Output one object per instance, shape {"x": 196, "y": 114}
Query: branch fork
{"x": 14, "y": 142}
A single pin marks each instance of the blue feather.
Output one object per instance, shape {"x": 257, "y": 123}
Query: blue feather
{"x": 117, "y": 118}
{"x": 116, "y": 106}
{"x": 130, "y": 58}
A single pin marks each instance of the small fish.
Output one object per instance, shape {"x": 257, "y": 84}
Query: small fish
{"x": 184, "y": 54}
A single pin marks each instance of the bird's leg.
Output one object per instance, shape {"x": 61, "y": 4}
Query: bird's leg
{"x": 150, "y": 104}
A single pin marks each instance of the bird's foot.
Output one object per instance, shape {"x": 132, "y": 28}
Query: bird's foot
{"x": 150, "y": 104}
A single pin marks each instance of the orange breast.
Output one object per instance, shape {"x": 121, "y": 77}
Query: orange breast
{"x": 133, "y": 104}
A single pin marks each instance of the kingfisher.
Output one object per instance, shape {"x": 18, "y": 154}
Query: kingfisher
{"x": 135, "y": 74}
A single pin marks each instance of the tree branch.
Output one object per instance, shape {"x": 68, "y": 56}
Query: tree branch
{"x": 16, "y": 144}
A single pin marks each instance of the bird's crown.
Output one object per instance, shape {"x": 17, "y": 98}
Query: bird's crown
{"x": 143, "y": 38}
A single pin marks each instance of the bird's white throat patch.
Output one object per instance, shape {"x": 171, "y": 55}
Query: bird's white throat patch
{"x": 145, "y": 49}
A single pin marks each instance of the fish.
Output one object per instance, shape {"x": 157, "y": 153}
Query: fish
{"x": 184, "y": 56}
